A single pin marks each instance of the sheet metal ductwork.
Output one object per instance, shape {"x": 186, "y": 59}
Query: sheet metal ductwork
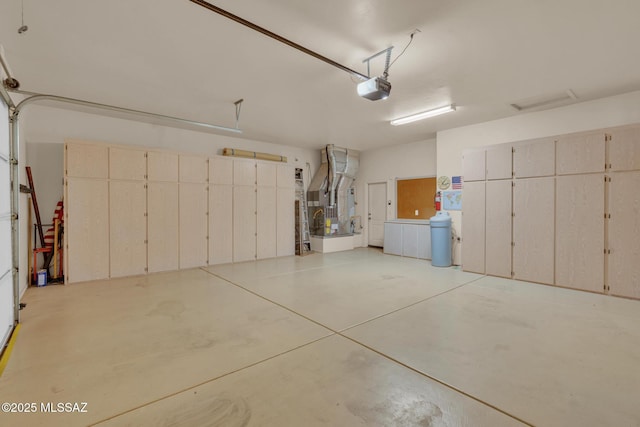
{"x": 331, "y": 194}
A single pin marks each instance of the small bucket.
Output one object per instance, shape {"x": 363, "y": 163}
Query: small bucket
{"x": 42, "y": 278}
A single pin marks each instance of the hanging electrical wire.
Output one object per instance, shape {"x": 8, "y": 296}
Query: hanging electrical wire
{"x": 386, "y": 70}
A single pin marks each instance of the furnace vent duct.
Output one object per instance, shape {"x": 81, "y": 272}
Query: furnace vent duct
{"x": 330, "y": 188}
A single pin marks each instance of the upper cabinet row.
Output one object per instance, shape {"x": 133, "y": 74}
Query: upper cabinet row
{"x": 586, "y": 152}
{"x": 108, "y": 162}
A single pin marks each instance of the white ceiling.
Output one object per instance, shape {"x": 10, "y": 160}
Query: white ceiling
{"x": 177, "y": 58}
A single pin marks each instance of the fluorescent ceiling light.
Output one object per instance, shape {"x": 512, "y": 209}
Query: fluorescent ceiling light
{"x": 423, "y": 115}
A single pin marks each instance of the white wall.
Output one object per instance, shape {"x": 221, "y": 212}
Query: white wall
{"x": 413, "y": 160}
{"x": 41, "y": 126}
{"x": 602, "y": 113}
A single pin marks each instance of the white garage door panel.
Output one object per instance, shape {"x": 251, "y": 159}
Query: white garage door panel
{"x": 6, "y": 307}
{"x": 6, "y": 278}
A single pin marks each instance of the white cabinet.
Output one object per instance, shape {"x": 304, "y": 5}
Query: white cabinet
{"x": 580, "y": 153}
{"x": 193, "y": 224}
{"x": 244, "y": 222}
{"x": 408, "y": 238}
{"x": 129, "y": 164}
{"x": 474, "y": 165}
{"x": 580, "y": 232}
{"x": 499, "y": 162}
{"x": 533, "y": 230}
{"x": 624, "y": 148}
{"x": 193, "y": 169}
{"x": 266, "y": 221}
{"x": 286, "y": 176}
{"x": 85, "y": 160}
{"x": 285, "y": 221}
{"x": 220, "y": 224}
{"x": 163, "y": 225}
{"x": 473, "y": 227}
{"x": 221, "y": 170}
{"x": 498, "y": 228}
{"x": 534, "y": 158}
{"x": 266, "y": 174}
{"x": 244, "y": 172}
{"x": 162, "y": 166}
{"x": 624, "y": 235}
{"x": 87, "y": 229}
{"x": 127, "y": 228}
{"x": 392, "y": 238}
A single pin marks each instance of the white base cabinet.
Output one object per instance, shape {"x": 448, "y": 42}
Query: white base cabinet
{"x": 408, "y": 238}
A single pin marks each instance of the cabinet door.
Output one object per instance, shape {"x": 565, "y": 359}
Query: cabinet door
{"x": 424, "y": 242}
{"x": 392, "y": 238}
{"x": 498, "y": 240}
{"x": 473, "y": 227}
{"x": 624, "y": 148}
{"x": 163, "y": 223}
{"x": 286, "y": 176}
{"x": 244, "y": 223}
{"x": 285, "y": 222}
{"x": 410, "y": 240}
{"x": 580, "y": 153}
{"x": 499, "y": 162}
{"x": 162, "y": 166}
{"x": 533, "y": 230}
{"x": 266, "y": 174}
{"x": 193, "y": 225}
{"x": 220, "y": 224}
{"x": 85, "y": 160}
{"x": 534, "y": 158}
{"x": 193, "y": 169}
{"x": 266, "y": 222}
{"x": 624, "y": 229}
{"x": 87, "y": 229}
{"x": 127, "y": 228}
{"x": 474, "y": 165}
{"x": 221, "y": 170}
{"x": 126, "y": 163}
{"x": 580, "y": 232}
{"x": 244, "y": 172}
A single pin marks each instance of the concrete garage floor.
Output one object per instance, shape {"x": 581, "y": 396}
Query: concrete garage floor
{"x": 343, "y": 339}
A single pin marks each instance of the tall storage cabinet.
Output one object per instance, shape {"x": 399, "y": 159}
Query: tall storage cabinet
{"x": 473, "y": 227}
{"x": 127, "y": 212}
{"x": 244, "y": 210}
{"x": 162, "y": 207}
{"x": 193, "y": 211}
{"x": 131, "y": 210}
{"x": 220, "y": 210}
{"x": 285, "y": 208}
{"x": 574, "y": 215}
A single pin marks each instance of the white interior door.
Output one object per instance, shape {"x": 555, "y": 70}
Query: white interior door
{"x": 377, "y": 213}
{"x": 6, "y": 278}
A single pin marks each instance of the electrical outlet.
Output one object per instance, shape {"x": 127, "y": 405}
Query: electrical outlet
{"x": 417, "y": 212}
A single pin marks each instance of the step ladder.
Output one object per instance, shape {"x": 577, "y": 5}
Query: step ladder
{"x": 303, "y": 237}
